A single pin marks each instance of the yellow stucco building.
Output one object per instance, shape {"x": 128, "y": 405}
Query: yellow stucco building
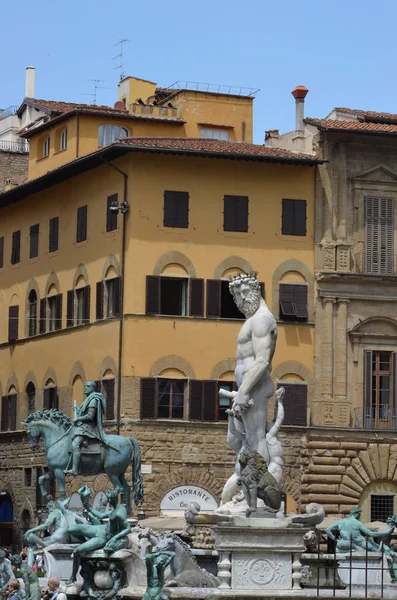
{"x": 138, "y": 300}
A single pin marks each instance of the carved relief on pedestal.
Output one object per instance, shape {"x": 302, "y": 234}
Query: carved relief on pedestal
{"x": 328, "y": 414}
{"x": 344, "y": 414}
{"x": 329, "y": 257}
{"x": 343, "y": 258}
{"x": 252, "y": 572}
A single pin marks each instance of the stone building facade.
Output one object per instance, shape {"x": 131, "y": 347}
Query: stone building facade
{"x": 13, "y": 168}
{"x": 350, "y": 454}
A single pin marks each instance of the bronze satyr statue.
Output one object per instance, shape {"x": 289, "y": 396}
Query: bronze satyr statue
{"x": 257, "y": 482}
{"x": 30, "y": 579}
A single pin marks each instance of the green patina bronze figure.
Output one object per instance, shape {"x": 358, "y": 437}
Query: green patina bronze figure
{"x": 5, "y": 571}
{"x": 110, "y": 536}
{"x": 30, "y": 579}
{"x": 156, "y": 565}
{"x": 82, "y": 447}
{"x": 353, "y": 535}
{"x": 87, "y": 424}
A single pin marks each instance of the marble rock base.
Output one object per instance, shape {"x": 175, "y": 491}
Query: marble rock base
{"x": 259, "y": 554}
{"x": 364, "y": 569}
{"x": 58, "y": 561}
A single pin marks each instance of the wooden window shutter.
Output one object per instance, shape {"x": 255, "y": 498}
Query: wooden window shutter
{"x": 286, "y": 299}
{"x": 386, "y": 237}
{"x": 16, "y": 248}
{"x": 287, "y": 217}
{"x": 367, "y": 388}
{"x": 13, "y": 318}
{"x": 117, "y": 296}
{"x": 300, "y": 301}
{"x": 108, "y": 387}
{"x": 195, "y": 400}
{"x": 152, "y": 295}
{"x": 98, "y": 386}
{"x": 176, "y": 209}
{"x": 86, "y": 304}
{"x": 99, "y": 300}
{"x": 81, "y": 233}
{"x": 299, "y": 217}
{"x": 46, "y": 398}
{"x": 4, "y": 413}
{"x": 196, "y": 297}
{"x": 43, "y": 315}
{"x": 182, "y": 209}
{"x": 213, "y": 298}
{"x": 229, "y": 213}
{"x": 148, "y": 398}
{"x": 12, "y": 403}
{"x": 169, "y": 218}
{"x": 210, "y": 400}
{"x": 111, "y": 216}
{"x": 58, "y": 311}
{"x": 299, "y": 415}
{"x": 70, "y": 308}
{"x": 1, "y": 252}
{"x": 34, "y": 241}
{"x": 53, "y": 242}
{"x": 242, "y": 213}
{"x": 379, "y": 234}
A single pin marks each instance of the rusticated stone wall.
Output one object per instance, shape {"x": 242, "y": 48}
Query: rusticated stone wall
{"x": 14, "y": 166}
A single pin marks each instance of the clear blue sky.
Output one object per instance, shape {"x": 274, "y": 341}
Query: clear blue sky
{"x": 344, "y": 51}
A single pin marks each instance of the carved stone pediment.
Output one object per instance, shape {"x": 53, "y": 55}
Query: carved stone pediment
{"x": 380, "y": 174}
{"x": 376, "y": 326}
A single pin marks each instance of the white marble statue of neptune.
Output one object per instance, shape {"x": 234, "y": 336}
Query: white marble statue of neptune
{"x": 255, "y": 349}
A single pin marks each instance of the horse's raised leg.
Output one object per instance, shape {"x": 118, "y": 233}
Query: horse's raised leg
{"x": 60, "y": 478}
{"x": 127, "y": 493}
{"x": 42, "y": 480}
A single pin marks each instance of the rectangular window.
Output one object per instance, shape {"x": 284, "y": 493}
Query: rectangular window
{"x": 380, "y": 404}
{"x": 293, "y": 218}
{"x": 111, "y": 215}
{"x": 215, "y": 133}
{"x": 379, "y": 232}
{"x": 13, "y": 318}
{"x": 1, "y": 252}
{"x": 382, "y": 507}
{"x": 162, "y": 398}
{"x": 176, "y": 209}
{"x": 169, "y": 296}
{"x": 81, "y": 232}
{"x": 220, "y": 303}
{"x": 34, "y": 241}
{"x": 225, "y": 404}
{"x": 53, "y": 234}
{"x": 235, "y": 213}
{"x": 113, "y": 294}
{"x": 46, "y": 147}
{"x": 293, "y": 302}
{"x": 295, "y": 403}
{"x": 16, "y": 247}
{"x": 173, "y": 296}
{"x": 28, "y": 477}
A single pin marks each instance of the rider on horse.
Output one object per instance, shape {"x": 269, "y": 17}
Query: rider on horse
{"x": 87, "y": 424}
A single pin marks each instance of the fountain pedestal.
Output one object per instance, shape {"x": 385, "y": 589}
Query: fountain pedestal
{"x": 259, "y": 554}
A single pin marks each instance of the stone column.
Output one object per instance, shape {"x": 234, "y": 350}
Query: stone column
{"x": 342, "y": 193}
{"x": 340, "y": 381}
{"x": 327, "y": 362}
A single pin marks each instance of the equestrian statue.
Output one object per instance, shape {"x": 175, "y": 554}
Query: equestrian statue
{"x": 81, "y": 447}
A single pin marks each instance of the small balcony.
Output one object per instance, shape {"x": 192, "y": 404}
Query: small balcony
{"x": 11, "y": 110}
{"x": 385, "y": 418}
{"x": 19, "y": 146}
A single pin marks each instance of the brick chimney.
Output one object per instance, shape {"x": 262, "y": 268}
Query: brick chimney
{"x": 299, "y": 93}
{"x": 30, "y": 79}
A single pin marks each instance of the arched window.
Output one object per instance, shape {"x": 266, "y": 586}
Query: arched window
{"x": 9, "y": 410}
{"x": 50, "y": 395}
{"x": 46, "y": 147}
{"x": 32, "y": 313}
{"x": 169, "y": 293}
{"x": 109, "y": 133}
{"x": 108, "y": 386}
{"x": 78, "y": 300}
{"x": 63, "y": 140}
{"x": 108, "y": 295}
{"x": 6, "y": 519}
{"x": 31, "y": 396}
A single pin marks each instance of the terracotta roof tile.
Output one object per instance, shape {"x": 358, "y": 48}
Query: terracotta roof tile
{"x": 61, "y": 107}
{"x": 368, "y": 115}
{"x": 205, "y": 146}
{"x": 359, "y": 126}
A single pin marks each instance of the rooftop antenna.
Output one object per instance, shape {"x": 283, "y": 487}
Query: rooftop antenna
{"x": 96, "y": 87}
{"x": 120, "y": 43}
